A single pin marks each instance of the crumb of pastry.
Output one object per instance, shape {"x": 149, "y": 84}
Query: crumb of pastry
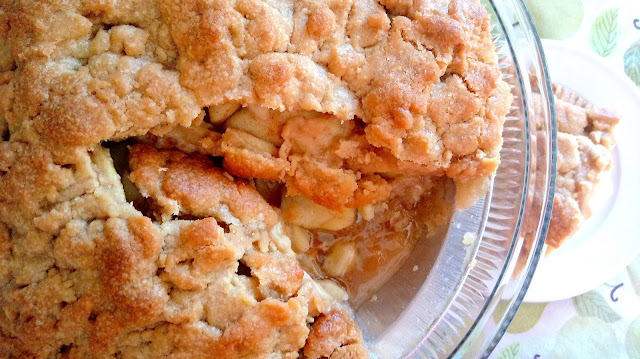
{"x": 333, "y": 336}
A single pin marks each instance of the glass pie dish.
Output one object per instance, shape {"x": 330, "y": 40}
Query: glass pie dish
{"x": 125, "y": 234}
{"x": 459, "y": 289}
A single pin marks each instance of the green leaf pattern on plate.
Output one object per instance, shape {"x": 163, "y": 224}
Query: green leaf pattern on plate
{"x": 605, "y": 32}
{"x": 526, "y": 318}
{"x": 586, "y": 338}
{"x": 556, "y": 19}
{"x": 592, "y": 304}
{"x": 510, "y": 352}
{"x": 633, "y": 339}
{"x": 632, "y": 62}
{"x": 634, "y": 275}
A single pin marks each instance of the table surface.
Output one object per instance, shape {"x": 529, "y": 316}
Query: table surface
{"x": 604, "y": 322}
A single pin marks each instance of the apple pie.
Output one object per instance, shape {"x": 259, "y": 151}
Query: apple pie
{"x": 215, "y": 179}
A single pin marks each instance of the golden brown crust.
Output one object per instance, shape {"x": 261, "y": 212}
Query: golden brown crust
{"x": 97, "y": 83}
{"x": 76, "y": 86}
{"x": 434, "y": 58}
{"x": 91, "y": 277}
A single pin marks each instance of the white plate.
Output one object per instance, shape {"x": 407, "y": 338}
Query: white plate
{"x": 608, "y": 241}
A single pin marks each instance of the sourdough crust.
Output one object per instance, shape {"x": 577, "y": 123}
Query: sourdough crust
{"x": 85, "y": 274}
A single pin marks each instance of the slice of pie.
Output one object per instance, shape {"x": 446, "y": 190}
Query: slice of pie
{"x": 585, "y": 140}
